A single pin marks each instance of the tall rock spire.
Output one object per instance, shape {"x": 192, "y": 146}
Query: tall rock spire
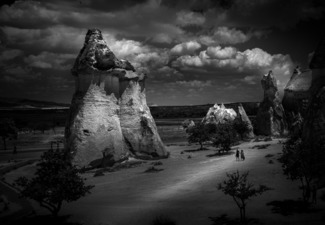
{"x": 270, "y": 119}
{"x": 109, "y": 118}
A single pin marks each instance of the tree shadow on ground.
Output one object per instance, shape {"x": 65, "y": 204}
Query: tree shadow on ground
{"x": 220, "y": 153}
{"x": 197, "y": 150}
{"x": 225, "y": 220}
{"x": 48, "y": 220}
{"x": 288, "y": 207}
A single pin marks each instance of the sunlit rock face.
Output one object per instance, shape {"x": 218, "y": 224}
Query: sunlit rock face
{"x": 109, "y": 118}
{"x": 314, "y": 125}
{"x": 243, "y": 117}
{"x": 138, "y": 127}
{"x": 219, "y": 114}
{"x": 270, "y": 118}
{"x": 93, "y": 129}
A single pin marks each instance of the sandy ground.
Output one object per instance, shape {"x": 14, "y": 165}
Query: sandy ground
{"x": 185, "y": 190}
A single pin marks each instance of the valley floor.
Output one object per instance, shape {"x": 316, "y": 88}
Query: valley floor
{"x": 185, "y": 190}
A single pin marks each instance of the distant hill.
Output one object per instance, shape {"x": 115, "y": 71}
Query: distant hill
{"x": 196, "y": 111}
{"x": 25, "y": 111}
{"x": 17, "y": 103}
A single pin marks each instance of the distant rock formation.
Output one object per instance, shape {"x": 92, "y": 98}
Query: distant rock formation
{"x": 314, "y": 124}
{"x": 188, "y": 124}
{"x": 220, "y": 114}
{"x": 270, "y": 118}
{"x": 109, "y": 118}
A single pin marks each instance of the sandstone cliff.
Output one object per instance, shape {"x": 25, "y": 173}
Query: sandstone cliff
{"x": 270, "y": 119}
{"x": 109, "y": 118}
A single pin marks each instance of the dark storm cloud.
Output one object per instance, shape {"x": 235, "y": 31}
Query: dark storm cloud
{"x": 187, "y": 48}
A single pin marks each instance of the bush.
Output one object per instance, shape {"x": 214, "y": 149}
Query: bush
{"x": 241, "y": 127}
{"x": 225, "y": 136}
{"x": 56, "y": 180}
{"x": 199, "y": 133}
{"x": 304, "y": 162}
{"x": 153, "y": 169}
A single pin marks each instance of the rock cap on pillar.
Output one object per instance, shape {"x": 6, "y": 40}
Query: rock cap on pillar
{"x": 96, "y": 55}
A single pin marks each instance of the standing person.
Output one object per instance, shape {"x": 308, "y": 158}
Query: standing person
{"x": 237, "y": 155}
{"x": 242, "y": 155}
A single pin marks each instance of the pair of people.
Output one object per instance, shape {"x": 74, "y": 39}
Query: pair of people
{"x": 241, "y": 153}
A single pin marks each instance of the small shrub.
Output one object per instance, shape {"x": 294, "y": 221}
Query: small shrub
{"x": 152, "y": 169}
{"x": 159, "y": 163}
{"x": 271, "y": 161}
{"x": 269, "y": 155}
{"x": 98, "y": 173}
{"x": 189, "y": 157}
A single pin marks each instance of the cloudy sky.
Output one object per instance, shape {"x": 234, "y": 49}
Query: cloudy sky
{"x": 194, "y": 51}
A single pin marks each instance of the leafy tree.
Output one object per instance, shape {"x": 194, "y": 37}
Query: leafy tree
{"x": 43, "y": 126}
{"x": 56, "y": 180}
{"x": 241, "y": 127}
{"x": 303, "y": 162}
{"x": 225, "y": 136}
{"x": 198, "y": 134}
{"x": 7, "y": 130}
{"x": 238, "y": 187}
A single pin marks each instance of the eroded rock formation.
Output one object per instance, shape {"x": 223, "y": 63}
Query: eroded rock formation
{"x": 297, "y": 92}
{"x": 314, "y": 123}
{"x": 109, "y": 118}
{"x": 270, "y": 119}
{"x": 220, "y": 114}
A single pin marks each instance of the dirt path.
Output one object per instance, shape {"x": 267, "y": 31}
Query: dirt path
{"x": 186, "y": 190}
